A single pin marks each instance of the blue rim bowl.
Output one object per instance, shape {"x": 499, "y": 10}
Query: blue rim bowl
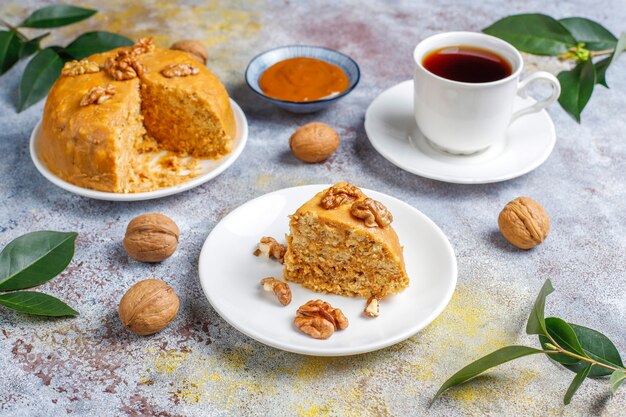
{"x": 266, "y": 59}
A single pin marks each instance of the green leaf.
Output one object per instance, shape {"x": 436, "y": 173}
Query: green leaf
{"x": 31, "y": 46}
{"x": 576, "y": 383}
{"x": 9, "y": 50}
{"x": 620, "y": 47}
{"x": 533, "y": 33}
{"x": 617, "y": 378}
{"x": 598, "y": 347}
{"x": 95, "y": 42}
{"x": 56, "y": 15}
{"x": 559, "y": 357}
{"x": 536, "y": 322}
{"x": 36, "y": 303}
{"x": 564, "y": 335}
{"x": 601, "y": 67}
{"x": 576, "y": 88}
{"x": 38, "y": 77}
{"x": 35, "y": 258}
{"x": 595, "y": 36}
{"x": 496, "y": 358}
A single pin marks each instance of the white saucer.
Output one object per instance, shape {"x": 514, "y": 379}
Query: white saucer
{"x": 230, "y": 275}
{"x": 209, "y": 168}
{"x": 392, "y": 130}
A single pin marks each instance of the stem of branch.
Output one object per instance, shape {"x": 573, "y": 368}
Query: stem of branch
{"x": 600, "y": 53}
{"x": 582, "y": 358}
{"x": 14, "y": 29}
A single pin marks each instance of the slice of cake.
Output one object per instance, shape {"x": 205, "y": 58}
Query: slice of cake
{"x": 342, "y": 242}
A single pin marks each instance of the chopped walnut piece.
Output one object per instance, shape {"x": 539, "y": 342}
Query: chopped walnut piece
{"x": 123, "y": 66}
{"x": 97, "y": 95}
{"x": 281, "y": 289}
{"x": 179, "y": 70}
{"x": 270, "y": 248}
{"x": 143, "y": 46}
{"x": 372, "y": 309}
{"x": 339, "y": 194}
{"x": 74, "y": 68}
{"x": 372, "y": 212}
{"x": 319, "y": 319}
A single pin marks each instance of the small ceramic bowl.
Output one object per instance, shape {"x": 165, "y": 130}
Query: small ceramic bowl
{"x": 263, "y": 61}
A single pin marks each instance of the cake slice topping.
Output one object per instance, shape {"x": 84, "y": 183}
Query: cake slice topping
{"x": 124, "y": 66}
{"x": 373, "y": 212}
{"x": 143, "y": 46}
{"x": 97, "y": 95}
{"x": 340, "y": 194}
{"x": 179, "y": 70}
{"x": 74, "y": 68}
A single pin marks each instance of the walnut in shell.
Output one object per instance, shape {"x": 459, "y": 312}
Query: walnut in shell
{"x": 148, "y": 307}
{"x": 314, "y": 142}
{"x": 193, "y": 47}
{"x": 524, "y": 223}
{"x": 151, "y": 237}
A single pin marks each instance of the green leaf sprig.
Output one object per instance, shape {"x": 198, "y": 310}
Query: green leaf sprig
{"x": 573, "y": 38}
{"x": 579, "y": 349}
{"x": 31, "y": 260}
{"x": 46, "y": 65}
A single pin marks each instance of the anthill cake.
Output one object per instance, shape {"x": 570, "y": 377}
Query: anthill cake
{"x": 134, "y": 119}
{"x": 342, "y": 242}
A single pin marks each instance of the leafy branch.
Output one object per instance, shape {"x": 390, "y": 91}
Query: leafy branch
{"x": 46, "y": 65}
{"x": 579, "y": 349}
{"x": 31, "y": 260}
{"x": 574, "y": 38}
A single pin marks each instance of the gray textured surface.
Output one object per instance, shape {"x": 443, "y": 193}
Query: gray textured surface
{"x": 200, "y": 365}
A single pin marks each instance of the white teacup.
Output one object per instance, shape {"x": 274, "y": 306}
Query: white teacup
{"x": 465, "y": 118}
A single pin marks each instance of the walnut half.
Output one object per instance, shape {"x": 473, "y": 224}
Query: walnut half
{"x": 372, "y": 212}
{"x": 97, "y": 95}
{"x": 179, "y": 70}
{"x": 319, "y": 319}
{"x": 143, "y": 46}
{"x": 124, "y": 66}
{"x": 339, "y": 194}
{"x": 74, "y": 68}
{"x": 270, "y": 248}
{"x": 281, "y": 289}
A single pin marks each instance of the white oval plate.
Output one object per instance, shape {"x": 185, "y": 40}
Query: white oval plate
{"x": 230, "y": 275}
{"x": 210, "y": 168}
{"x": 393, "y": 132}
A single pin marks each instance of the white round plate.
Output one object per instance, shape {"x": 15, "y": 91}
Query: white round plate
{"x": 230, "y": 275}
{"x": 392, "y": 130}
{"x": 209, "y": 168}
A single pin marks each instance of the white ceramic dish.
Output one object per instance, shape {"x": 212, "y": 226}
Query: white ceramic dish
{"x": 392, "y": 130}
{"x": 210, "y": 168}
{"x": 230, "y": 275}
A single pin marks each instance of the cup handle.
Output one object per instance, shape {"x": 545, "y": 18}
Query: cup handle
{"x": 540, "y": 105}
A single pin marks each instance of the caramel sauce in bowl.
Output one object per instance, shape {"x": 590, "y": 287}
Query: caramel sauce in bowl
{"x": 302, "y": 78}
